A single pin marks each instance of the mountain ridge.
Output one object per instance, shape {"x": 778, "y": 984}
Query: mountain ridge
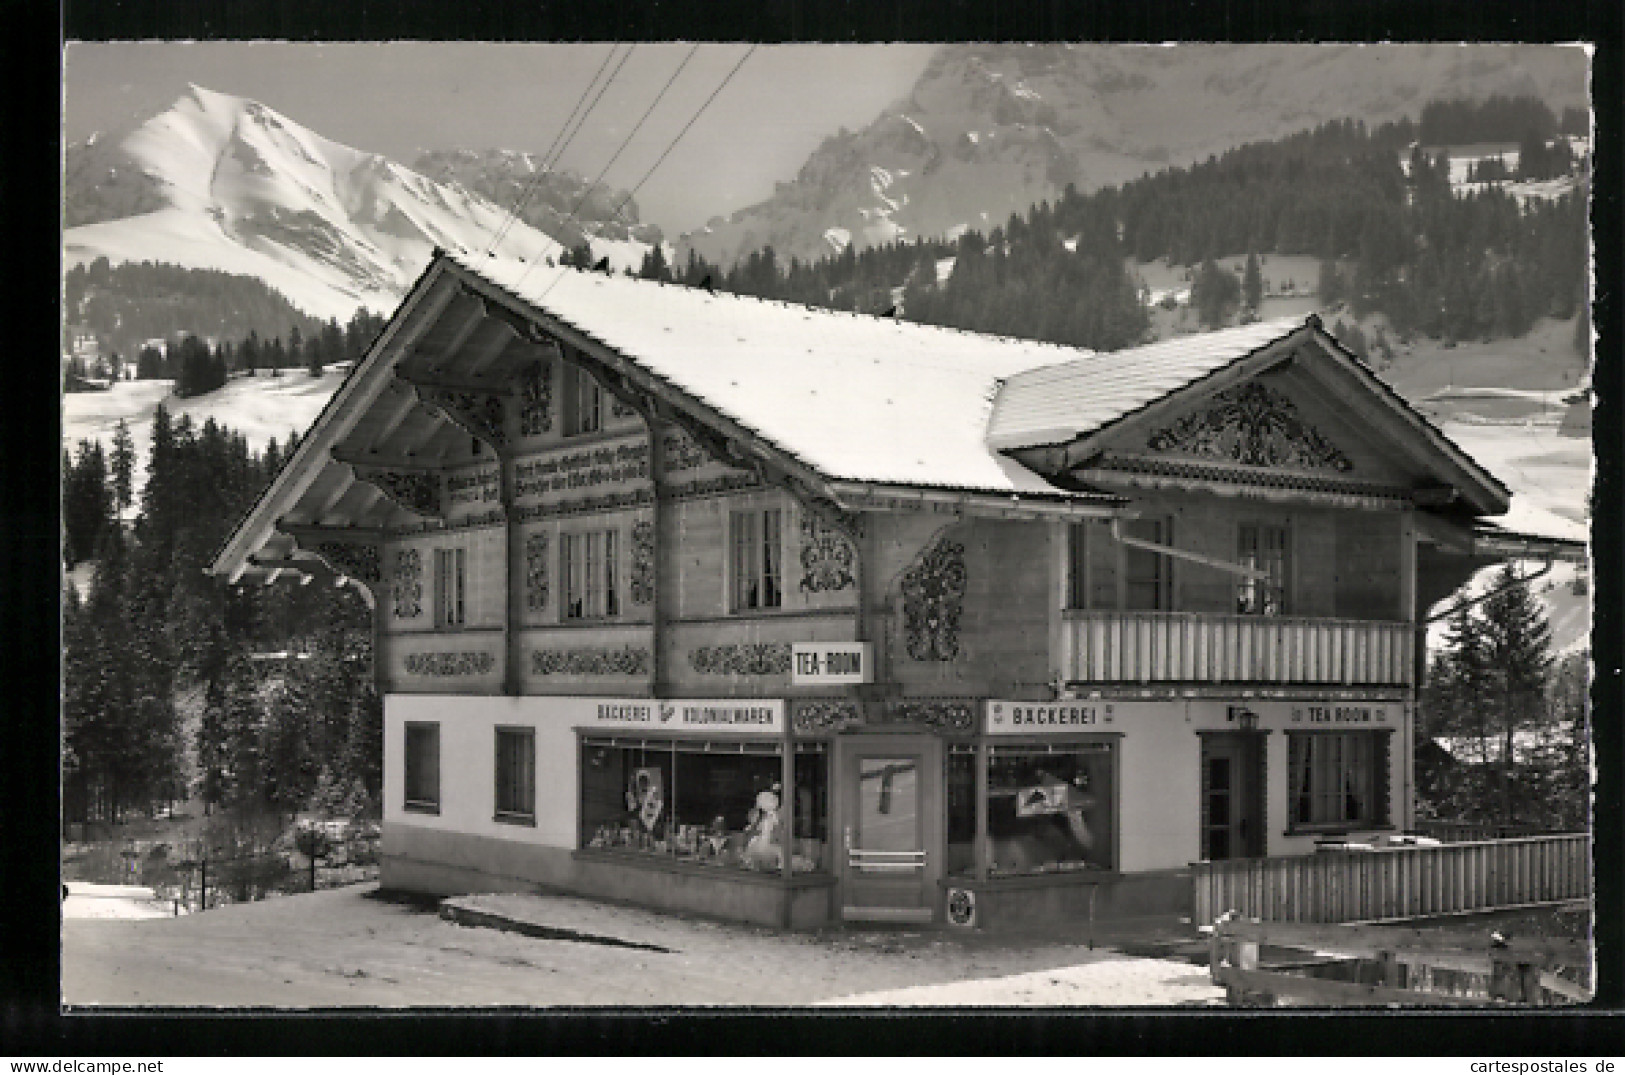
{"x": 992, "y": 129}
{"x": 227, "y": 183}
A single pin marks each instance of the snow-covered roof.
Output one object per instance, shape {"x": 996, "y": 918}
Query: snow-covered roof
{"x": 857, "y": 398}
{"x": 1071, "y": 399}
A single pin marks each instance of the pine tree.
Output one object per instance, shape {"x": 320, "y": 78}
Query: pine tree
{"x": 1252, "y": 283}
{"x": 1517, "y": 651}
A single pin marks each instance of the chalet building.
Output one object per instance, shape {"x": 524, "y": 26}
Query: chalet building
{"x": 792, "y": 616}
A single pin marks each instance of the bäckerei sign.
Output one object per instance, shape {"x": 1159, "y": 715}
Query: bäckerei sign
{"x": 1037, "y": 718}
{"x": 751, "y": 716}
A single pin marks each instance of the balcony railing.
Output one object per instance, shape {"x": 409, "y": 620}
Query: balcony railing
{"x": 1187, "y": 647}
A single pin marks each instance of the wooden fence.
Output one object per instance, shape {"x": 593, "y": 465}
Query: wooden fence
{"x": 1395, "y": 882}
{"x": 1456, "y": 832}
{"x": 1387, "y": 965}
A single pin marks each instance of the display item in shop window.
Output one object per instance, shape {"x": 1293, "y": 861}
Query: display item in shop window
{"x": 1040, "y": 843}
{"x": 646, "y": 797}
{"x": 764, "y": 836}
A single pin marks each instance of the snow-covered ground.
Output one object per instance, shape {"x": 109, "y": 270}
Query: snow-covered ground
{"x": 344, "y": 947}
{"x": 126, "y": 902}
{"x": 259, "y": 408}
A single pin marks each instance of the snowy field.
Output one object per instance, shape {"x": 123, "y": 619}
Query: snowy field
{"x": 259, "y": 408}
{"x": 124, "y": 902}
{"x": 344, "y": 947}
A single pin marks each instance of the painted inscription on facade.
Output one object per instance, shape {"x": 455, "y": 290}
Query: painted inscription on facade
{"x": 581, "y": 469}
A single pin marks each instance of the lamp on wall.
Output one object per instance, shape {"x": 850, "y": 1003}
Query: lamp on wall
{"x": 1244, "y": 718}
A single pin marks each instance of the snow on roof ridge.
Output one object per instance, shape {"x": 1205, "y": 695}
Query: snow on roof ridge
{"x": 1025, "y": 341}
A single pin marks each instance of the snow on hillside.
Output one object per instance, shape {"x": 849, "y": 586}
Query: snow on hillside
{"x": 259, "y": 408}
{"x": 250, "y": 191}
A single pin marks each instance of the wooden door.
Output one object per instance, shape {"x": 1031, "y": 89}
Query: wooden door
{"x": 1232, "y": 804}
{"x": 891, "y": 792}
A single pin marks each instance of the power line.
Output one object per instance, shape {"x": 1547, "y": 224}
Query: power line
{"x": 587, "y": 192}
{"x": 535, "y": 181}
{"x": 664, "y": 154}
{"x": 551, "y": 158}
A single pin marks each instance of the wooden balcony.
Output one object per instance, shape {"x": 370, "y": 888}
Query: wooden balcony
{"x": 1187, "y": 647}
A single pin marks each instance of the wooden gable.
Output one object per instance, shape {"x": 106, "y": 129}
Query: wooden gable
{"x": 1302, "y": 421}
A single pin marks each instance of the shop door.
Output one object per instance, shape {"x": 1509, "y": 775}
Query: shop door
{"x": 891, "y": 793}
{"x": 1232, "y": 803}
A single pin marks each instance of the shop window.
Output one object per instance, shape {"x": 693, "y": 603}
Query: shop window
{"x": 422, "y": 778}
{"x": 450, "y": 582}
{"x": 756, "y": 559}
{"x": 590, "y": 569}
{"x": 1268, "y": 549}
{"x": 1338, "y": 779}
{"x": 707, "y": 803}
{"x": 516, "y": 775}
{"x": 1051, "y": 807}
{"x": 583, "y": 402}
{"x": 961, "y": 788}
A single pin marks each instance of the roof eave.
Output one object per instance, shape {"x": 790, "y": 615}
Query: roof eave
{"x": 314, "y": 450}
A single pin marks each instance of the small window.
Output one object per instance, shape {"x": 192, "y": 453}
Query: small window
{"x": 1145, "y": 572}
{"x": 583, "y": 402}
{"x": 516, "y": 775}
{"x": 590, "y": 568}
{"x": 1268, "y": 549}
{"x": 422, "y": 779}
{"x": 1077, "y": 565}
{"x": 450, "y": 581}
{"x": 1339, "y": 779}
{"x": 755, "y": 559}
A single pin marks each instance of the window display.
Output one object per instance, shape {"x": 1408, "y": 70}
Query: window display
{"x": 709, "y": 803}
{"x": 1050, "y": 808}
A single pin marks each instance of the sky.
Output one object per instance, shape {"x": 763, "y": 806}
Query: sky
{"x": 401, "y": 97}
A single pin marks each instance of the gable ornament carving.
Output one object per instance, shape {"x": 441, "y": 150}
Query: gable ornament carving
{"x": 418, "y": 491}
{"x": 479, "y": 413}
{"x": 1254, "y": 425}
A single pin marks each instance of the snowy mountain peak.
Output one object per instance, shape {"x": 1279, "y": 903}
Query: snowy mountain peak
{"x": 227, "y": 183}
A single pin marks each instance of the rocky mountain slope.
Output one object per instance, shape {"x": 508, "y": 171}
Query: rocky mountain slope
{"x": 991, "y": 129}
{"x": 557, "y": 203}
{"x": 221, "y": 182}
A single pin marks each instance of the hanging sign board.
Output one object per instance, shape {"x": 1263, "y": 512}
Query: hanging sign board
{"x": 825, "y": 664}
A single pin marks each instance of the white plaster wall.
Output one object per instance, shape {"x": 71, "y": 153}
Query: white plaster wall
{"x": 468, "y": 765}
{"x": 1159, "y": 759}
{"x": 1160, "y": 765}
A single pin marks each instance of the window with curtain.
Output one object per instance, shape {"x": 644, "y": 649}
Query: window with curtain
{"x": 450, "y": 580}
{"x": 755, "y": 559}
{"x": 1338, "y": 779}
{"x": 590, "y": 569}
{"x": 583, "y": 402}
{"x": 1266, "y": 547}
{"x": 516, "y": 775}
